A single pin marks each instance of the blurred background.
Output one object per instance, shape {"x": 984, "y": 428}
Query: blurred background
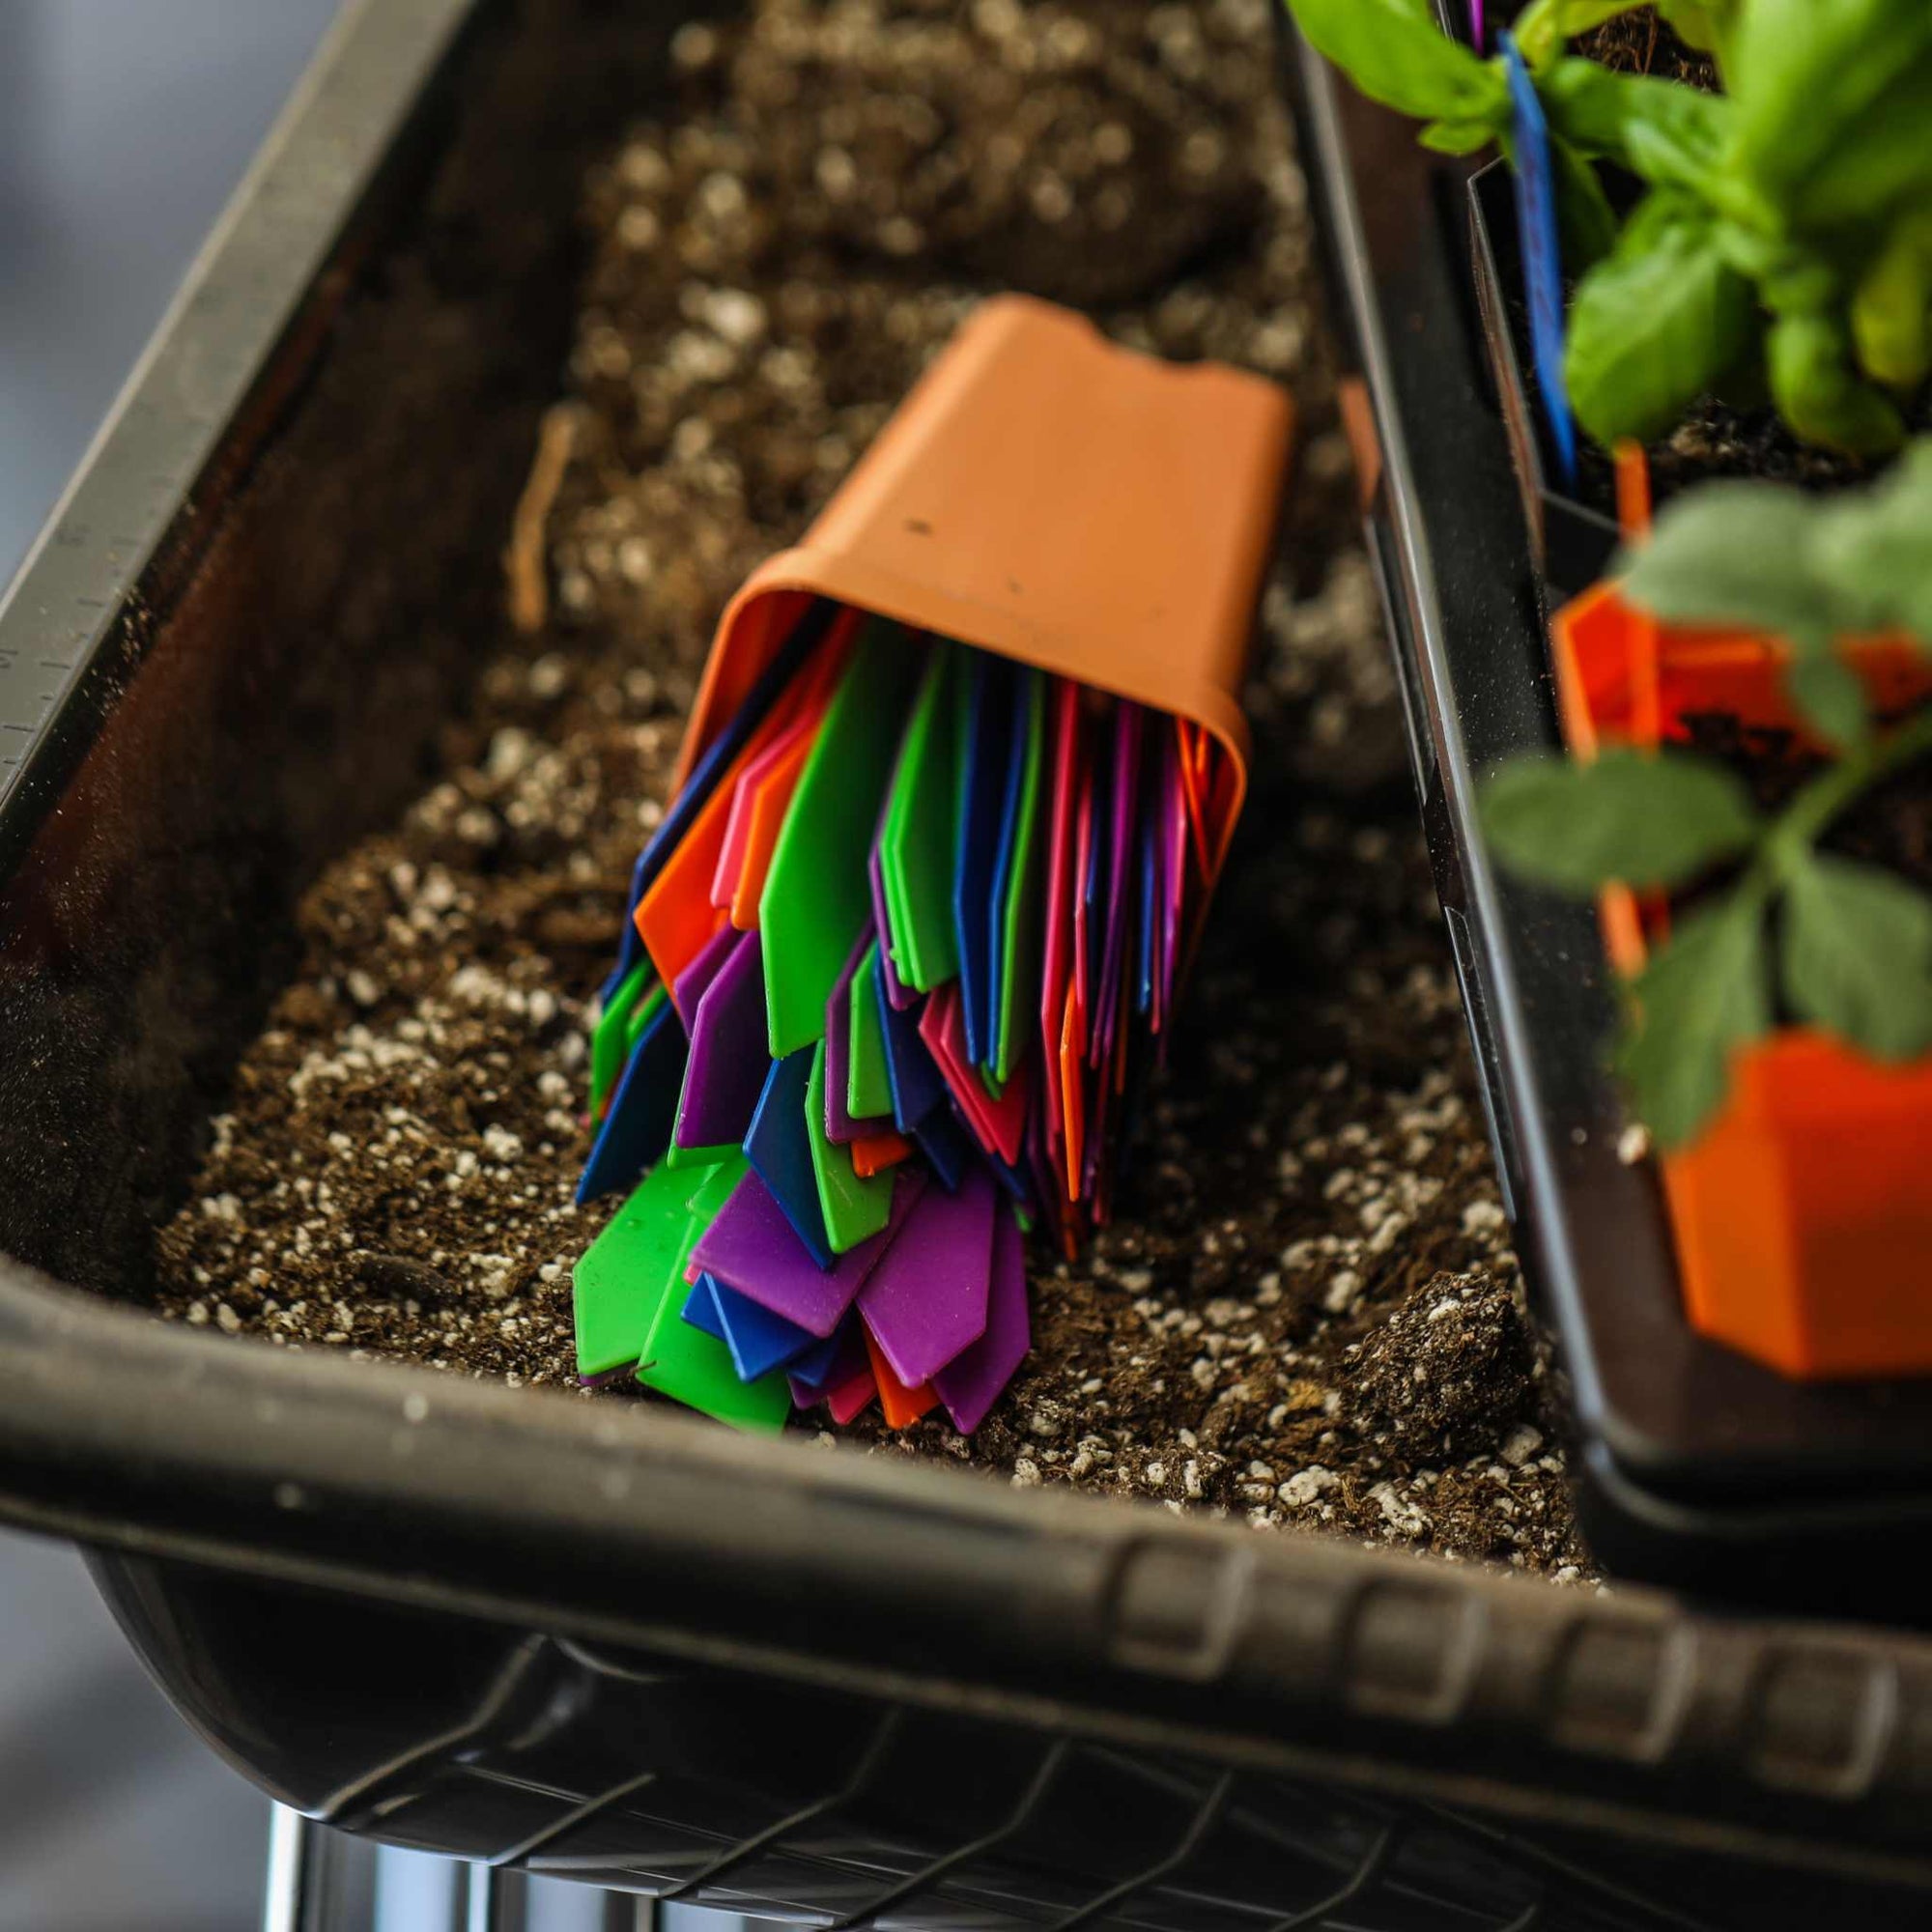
{"x": 117, "y": 1817}
{"x": 125, "y": 125}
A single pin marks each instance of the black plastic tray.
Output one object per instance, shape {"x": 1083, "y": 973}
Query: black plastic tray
{"x": 1698, "y": 1467}
{"x": 605, "y": 1638}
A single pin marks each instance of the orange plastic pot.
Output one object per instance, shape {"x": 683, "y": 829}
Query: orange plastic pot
{"x": 1047, "y": 496}
{"x": 1803, "y": 1214}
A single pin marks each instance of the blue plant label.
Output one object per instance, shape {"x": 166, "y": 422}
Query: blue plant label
{"x": 1535, "y": 173}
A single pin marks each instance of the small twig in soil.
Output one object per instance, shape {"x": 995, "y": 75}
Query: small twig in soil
{"x": 523, "y": 556}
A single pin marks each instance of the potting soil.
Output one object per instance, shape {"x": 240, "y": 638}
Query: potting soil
{"x": 1306, "y": 1312}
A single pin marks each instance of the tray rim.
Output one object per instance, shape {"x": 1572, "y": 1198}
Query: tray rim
{"x": 1658, "y": 1421}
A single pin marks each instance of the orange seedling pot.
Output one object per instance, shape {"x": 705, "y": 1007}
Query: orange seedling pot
{"x": 1064, "y": 502}
{"x": 1624, "y": 678}
{"x": 1804, "y": 1216}
{"x": 1803, "y": 1213}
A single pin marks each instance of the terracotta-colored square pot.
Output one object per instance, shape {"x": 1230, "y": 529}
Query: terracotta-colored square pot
{"x": 1050, "y": 496}
{"x": 1803, "y": 1213}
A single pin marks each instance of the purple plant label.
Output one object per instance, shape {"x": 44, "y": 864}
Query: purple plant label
{"x": 752, "y": 1247}
{"x": 971, "y": 1383}
{"x": 926, "y": 1301}
{"x": 1478, "y": 29}
{"x": 1535, "y": 174}
{"x": 694, "y": 981}
{"x": 729, "y": 1066}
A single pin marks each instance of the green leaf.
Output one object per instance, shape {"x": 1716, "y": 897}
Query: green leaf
{"x": 1815, "y": 382}
{"x": 1883, "y": 161}
{"x": 1872, "y": 548}
{"x": 1704, "y": 995}
{"x": 1655, "y": 324}
{"x": 1641, "y": 820}
{"x": 1395, "y": 53}
{"x": 1856, "y": 956}
{"x": 1589, "y": 221}
{"x": 1458, "y": 137}
{"x": 1675, "y": 137}
{"x": 1830, "y": 699}
{"x": 1805, "y": 72}
{"x": 1669, "y": 133}
{"x": 1737, "y": 554}
{"x": 1891, "y": 309}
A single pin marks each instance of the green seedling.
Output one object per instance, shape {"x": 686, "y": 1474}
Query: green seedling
{"x": 1785, "y": 243}
{"x": 1841, "y": 945}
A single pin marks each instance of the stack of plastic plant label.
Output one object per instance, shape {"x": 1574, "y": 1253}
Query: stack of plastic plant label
{"x": 899, "y": 954}
{"x": 910, "y": 935}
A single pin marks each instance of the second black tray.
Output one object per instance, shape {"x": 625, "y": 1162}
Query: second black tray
{"x": 1696, "y": 1467}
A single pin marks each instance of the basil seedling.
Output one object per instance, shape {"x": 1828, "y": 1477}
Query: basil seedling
{"x": 1786, "y": 238}
{"x": 1850, "y": 948}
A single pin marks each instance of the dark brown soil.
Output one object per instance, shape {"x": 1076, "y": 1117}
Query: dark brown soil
{"x": 1717, "y": 440}
{"x": 1308, "y": 1312}
{"x": 1639, "y": 43}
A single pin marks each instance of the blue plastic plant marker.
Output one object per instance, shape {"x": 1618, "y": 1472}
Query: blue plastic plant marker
{"x": 700, "y": 1308}
{"x": 983, "y": 796}
{"x": 1535, "y": 174}
{"x": 1017, "y": 1180}
{"x": 637, "y": 1129}
{"x": 684, "y": 1362}
{"x": 1018, "y": 807}
{"x": 727, "y": 1066}
{"x": 780, "y": 1149}
{"x": 917, "y": 1085}
{"x": 828, "y": 1363}
{"x": 758, "y": 1340}
{"x": 985, "y": 1047}
{"x": 948, "y": 1145}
